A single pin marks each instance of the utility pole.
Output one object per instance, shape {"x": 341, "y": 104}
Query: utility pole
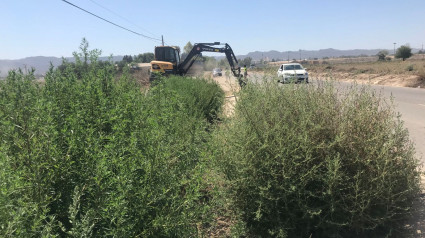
{"x": 300, "y": 54}
{"x": 394, "y": 49}
{"x": 423, "y": 51}
{"x": 288, "y": 56}
{"x": 162, "y": 37}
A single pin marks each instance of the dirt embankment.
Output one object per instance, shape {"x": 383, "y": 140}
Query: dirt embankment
{"x": 395, "y": 80}
{"x": 230, "y": 87}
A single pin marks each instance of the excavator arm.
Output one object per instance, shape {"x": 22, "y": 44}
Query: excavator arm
{"x": 198, "y": 48}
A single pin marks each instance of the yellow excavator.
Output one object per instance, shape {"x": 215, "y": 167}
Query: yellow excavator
{"x": 167, "y": 59}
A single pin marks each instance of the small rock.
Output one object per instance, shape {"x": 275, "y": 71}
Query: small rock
{"x": 418, "y": 232}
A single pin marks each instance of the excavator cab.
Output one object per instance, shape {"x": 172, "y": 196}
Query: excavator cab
{"x": 166, "y": 61}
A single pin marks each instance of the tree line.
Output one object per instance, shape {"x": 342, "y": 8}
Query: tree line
{"x": 403, "y": 52}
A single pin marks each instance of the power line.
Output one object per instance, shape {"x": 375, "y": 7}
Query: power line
{"x": 148, "y": 37}
{"x": 165, "y": 43}
{"x": 116, "y": 14}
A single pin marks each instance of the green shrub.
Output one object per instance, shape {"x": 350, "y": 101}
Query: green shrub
{"x": 24, "y": 198}
{"x": 89, "y": 154}
{"x": 202, "y": 97}
{"x": 312, "y": 161}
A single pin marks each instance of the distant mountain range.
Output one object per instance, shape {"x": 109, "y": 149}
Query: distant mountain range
{"x": 42, "y": 63}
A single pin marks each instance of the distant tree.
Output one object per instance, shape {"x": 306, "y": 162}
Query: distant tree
{"x": 127, "y": 58}
{"x": 121, "y": 64}
{"x": 403, "y": 52}
{"x": 144, "y": 58}
{"x": 223, "y": 63}
{"x": 421, "y": 52}
{"x": 246, "y": 61}
{"x": 148, "y": 57}
{"x": 186, "y": 49}
{"x": 382, "y": 54}
{"x": 137, "y": 58}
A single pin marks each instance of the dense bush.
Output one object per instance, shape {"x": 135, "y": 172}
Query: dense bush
{"x": 313, "y": 161}
{"x": 87, "y": 154}
{"x": 90, "y": 154}
{"x": 204, "y": 97}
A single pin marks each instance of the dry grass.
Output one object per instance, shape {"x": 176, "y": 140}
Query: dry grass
{"x": 141, "y": 75}
{"x": 411, "y": 67}
{"x": 409, "y": 73}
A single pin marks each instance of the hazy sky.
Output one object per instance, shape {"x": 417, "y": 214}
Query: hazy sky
{"x": 55, "y": 28}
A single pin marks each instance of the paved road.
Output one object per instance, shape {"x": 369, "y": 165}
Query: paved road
{"x": 410, "y": 102}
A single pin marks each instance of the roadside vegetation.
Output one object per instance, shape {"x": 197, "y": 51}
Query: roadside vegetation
{"x": 410, "y": 67}
{"x": 91, "y": 152}
{"x": 311, "y": 161}
{"x": 91, "y": 155}
{"x": 384, "y": 71}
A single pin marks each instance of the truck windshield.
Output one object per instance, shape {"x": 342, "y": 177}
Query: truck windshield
{"x": 165, "y": 54}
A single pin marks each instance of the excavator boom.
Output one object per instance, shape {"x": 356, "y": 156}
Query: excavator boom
{"x": 198, "y": 48}
{"x": 167, "y": 59}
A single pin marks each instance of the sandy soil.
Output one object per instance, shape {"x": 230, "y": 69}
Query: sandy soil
{"x": 230, "y": 86}
{"x": 142, "y": 76}
{"x": 394, "y": 80}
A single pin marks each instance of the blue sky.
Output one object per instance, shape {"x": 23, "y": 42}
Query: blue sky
{"x": 54, "y": 28}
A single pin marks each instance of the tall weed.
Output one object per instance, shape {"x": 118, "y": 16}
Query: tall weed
{"x": 89, "y": 154}
{"x": 317, "y": 161}
{"x": 203, "y": 97}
